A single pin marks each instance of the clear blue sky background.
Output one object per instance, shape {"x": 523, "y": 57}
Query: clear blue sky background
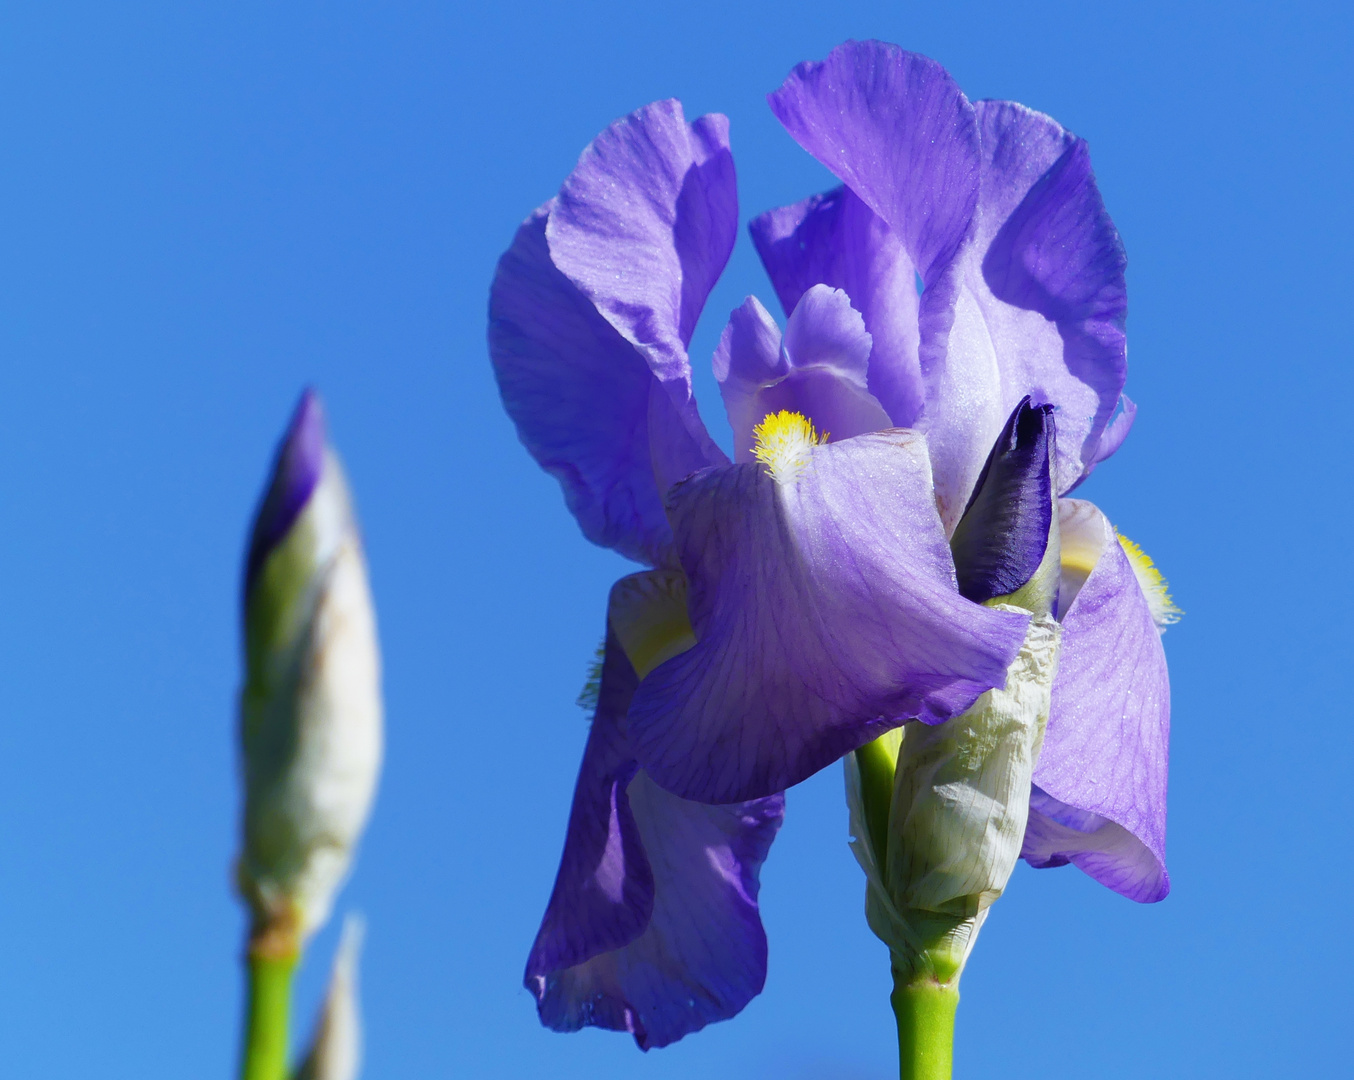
{"x": 205, "y": 206}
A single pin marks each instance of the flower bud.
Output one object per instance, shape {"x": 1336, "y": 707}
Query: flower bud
{"x": 310, "y": 707}
{"x": 956, "y": 818}
{"x": 336, "y": 1046}
{"x": 938, "y": 813}
{"x": 1005, "y": 546}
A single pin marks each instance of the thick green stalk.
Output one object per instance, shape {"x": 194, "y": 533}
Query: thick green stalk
{"x": 925, "y": 1012}
{"x": 267, "y": 1012}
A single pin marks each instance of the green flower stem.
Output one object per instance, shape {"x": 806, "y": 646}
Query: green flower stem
{"x": 925, "y": 1011}
{"x": 267, "y": 1013}
{"x": 876, "y": 788}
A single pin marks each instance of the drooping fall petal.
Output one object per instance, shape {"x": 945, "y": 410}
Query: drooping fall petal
{"x": 1101, "y": 798}
{"x": 825, "y": 611}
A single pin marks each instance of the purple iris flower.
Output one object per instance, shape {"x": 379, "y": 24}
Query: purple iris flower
{"x": 967, "y": 263}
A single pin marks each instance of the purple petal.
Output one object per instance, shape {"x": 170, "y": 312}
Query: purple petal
{"x": 1107, "y": 746}
{"x": 703, "y": 956}
{"x": 604, "y": 892}
{"x": 898, "y": 131}
{"x": 1114, "y": 435}
{"x": 836, "y": 240}
{"x": 1042, "y": 307}
{"x": 818, "y": 372}
{"x": 1057, "y": 834}
{"x": 296, "y": 471}
{"x": 653, "y": 925}
{"x": 826, "y": 331}
{"x": 579, "y": 395}
{"x": 748, "y": 358}
{"x": 825, "y": 611}
{"x": 1002, "y": 537}
{"x": 643, "y": 227}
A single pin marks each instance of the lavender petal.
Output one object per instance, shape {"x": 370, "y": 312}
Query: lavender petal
{"x": 1106, "y": 750}
{"x": 825, "y": 611}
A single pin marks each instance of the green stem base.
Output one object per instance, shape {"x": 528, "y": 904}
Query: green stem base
{"x": 925, "y": 1012}
{"x": 267, "y": 1016}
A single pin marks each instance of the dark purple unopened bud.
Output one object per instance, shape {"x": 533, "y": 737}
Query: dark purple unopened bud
{"x": 1003, "y": 536}
{"x": 296, "y": 471}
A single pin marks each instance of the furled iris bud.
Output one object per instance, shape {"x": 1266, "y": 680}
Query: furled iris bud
{"x": 939, "y": 812}
{"x": 336, "y": 1045}
{"x": 310, "y": 707}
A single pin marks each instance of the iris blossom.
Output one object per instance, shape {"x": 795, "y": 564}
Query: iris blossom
{"x": 810, "y": 596}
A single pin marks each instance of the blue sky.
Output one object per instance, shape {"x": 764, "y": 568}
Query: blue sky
{"x": 205, "y": 207}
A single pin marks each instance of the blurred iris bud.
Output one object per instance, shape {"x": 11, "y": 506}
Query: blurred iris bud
{"x": 310, "y": 707}
{"x": 336, "y": 1046}
{"x": 938, "y": 812}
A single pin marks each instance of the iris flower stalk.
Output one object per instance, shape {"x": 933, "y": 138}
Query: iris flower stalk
{"x": 889, "y": 560}
{"x": 310, "y": 721}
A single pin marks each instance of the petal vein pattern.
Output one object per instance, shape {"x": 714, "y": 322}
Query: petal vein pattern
{"x": 591, "y": 312}
{"x": 652, "y": 927}
{"x": 1042, "y": 305}
{"x": 643, "y": 227}
{"x": 994, "y": 208}
{"x": 825, "y": 612}
{"x": 1100, "y": 798}
{"x": 579, "y": 395}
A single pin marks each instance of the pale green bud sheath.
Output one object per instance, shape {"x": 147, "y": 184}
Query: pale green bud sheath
{"x": 938, "y": 813}
{"x": 336, "y": 1046}
{"x": 310, "y": 721}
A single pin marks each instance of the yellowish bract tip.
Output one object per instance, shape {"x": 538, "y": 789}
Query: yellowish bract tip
{"x": 783, "y": 441}
{"x": 1159, "y": 602}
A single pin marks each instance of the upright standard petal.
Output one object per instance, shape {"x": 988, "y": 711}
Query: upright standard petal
{"x": 653, "y": 926}
{"x": 825, "y": 610}
{"x": 643, "y": 227}
{"x": 1041, "y": 309}
{"x": 579, "y": 394}
{"x": 1100, "y": 785}
{"x": 818, "y": 370}
{"x": 902, "y": 136}
{"x": 835, "y": 239}
{"x": 898, "y": 131}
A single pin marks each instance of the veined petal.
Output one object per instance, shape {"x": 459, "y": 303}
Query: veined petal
{"x": 902, "y": 136}
{"x": 825, "y": 331}
{"x": 747, "y": 359}
{"x": 898, "y": 131}
{"x": 604, "y": 892}
{"x": 825, "y": 610}
{"x": 836, "y": 240}
{"x": 819, "y": 371}
{"x": 579, "y": 394}
{"x": 1106, "y": 751}
{"x": 1041, "y": 308}
{"x": 1058, "y": 834}
{"x": 653, "y": 925}
{"x": 643, "y": 227}
{"x": 703, "y": 955}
